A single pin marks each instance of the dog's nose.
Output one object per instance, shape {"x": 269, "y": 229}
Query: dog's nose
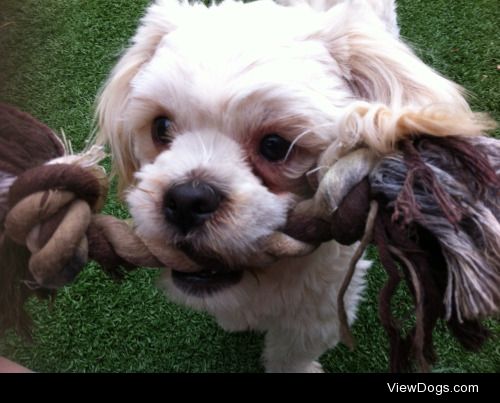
{"x": 188, "y": 205}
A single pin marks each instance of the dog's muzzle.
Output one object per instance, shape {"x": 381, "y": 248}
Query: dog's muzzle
{"x": 187, "y": 206}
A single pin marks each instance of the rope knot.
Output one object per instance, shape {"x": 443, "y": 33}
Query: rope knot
{"x": 50, "y": 210}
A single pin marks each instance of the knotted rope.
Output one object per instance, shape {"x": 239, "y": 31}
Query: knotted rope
{"x": 433, "y": 212}
{"x": 52, "y": 228}
{"x": 53, "y": 212}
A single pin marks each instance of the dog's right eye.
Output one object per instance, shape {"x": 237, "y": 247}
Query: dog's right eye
{"x": 161, "y": 130}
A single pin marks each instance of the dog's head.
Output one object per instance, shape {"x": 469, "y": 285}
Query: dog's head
{"x": 216, "y": 115}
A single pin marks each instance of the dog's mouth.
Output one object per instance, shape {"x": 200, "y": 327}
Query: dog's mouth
{"x": 214, "y": 276}
{"x": 206, "y": 282}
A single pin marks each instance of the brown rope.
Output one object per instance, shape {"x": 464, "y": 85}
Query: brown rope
{"x": 418, "y": 344}
{"x": 49, "y": 227}
{"x": 52, "y": 228}
{"x": 63, "y": 187}
{"x": 67, "y": 194}
{"x": 25, "y": 142}
{"x": 406, "y": 205}
{"x": 427, "y": 221}
{"x": 345, "y": 332}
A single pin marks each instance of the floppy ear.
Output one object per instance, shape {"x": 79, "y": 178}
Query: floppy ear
{"x": 399, "y": 94}
{"x": 114, "y": 95}
{"x": 377, "y": 64}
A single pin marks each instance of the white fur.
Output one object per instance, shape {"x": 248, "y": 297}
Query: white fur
{"x": 328, "y": 75}
{"x": 294, "y": 301}
{"x": 219, "y": 159}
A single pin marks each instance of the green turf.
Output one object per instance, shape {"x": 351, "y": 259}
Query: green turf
{"x": 54, "y": 55}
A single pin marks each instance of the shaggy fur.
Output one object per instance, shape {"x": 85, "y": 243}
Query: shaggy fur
{"x": 328, "y": 76}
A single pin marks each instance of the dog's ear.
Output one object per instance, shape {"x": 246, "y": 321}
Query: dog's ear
{"x": 378, "y": 66}
{"x": 160, "y": 19}
{"x": 395, "y": 94}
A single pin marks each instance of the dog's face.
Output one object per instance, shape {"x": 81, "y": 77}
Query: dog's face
{"x": 214, "y": 120}
{"x": 215, "y": 116}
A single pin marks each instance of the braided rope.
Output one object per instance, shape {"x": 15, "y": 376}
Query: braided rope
{"x": 53, "y": 228}
{"x": 53, "y": 212}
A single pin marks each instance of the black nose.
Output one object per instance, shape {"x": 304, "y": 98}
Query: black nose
{"x": 188, "y": 205}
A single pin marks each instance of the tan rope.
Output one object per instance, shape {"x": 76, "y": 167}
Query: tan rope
{"x": 58, "y": 210}
{"x": 65, "y": 241}
{"x": 124, "y": 241}
{"x": 32, "y": 210}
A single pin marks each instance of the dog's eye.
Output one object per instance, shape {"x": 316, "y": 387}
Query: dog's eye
{"x": 274, "y": 148}
{"x": 161, "y": 130}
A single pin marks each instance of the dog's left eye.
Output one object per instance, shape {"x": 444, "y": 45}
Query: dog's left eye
{"x": 274, "y": 148}
{"x": 161, "y": 130}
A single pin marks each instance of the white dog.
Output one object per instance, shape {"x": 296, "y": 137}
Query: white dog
{"x": 215, "y": 116}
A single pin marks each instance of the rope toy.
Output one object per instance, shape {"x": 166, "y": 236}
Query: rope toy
{"x": 50, "y": 226}
{"x": 431, "y": 209}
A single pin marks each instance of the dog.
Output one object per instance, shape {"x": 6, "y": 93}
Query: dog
{"x": 217, "y": 117}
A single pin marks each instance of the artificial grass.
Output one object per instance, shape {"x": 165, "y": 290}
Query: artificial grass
{"x": 54, "y": 56}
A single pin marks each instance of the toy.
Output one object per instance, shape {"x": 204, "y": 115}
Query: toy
{"x": 49, "y": 226}
{"x": 431, "y": 208}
